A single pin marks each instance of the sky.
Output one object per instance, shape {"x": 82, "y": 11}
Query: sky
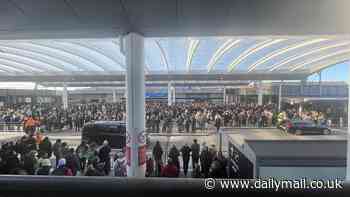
{"x": 338, "y": 72}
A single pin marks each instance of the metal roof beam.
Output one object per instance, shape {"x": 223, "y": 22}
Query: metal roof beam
{"x": 103, "y": 76}
{"x": 192, "y": 48}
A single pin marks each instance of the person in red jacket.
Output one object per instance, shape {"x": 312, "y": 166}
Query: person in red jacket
{"x": 170, "y": 170}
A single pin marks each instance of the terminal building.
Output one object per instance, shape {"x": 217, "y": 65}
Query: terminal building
{"x": 327, "y": 96}
{"x": 218, "y": 52}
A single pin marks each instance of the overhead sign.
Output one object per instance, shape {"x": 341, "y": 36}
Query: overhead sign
{"x": 156, "y": 94}
{"x": 28, "y": 100}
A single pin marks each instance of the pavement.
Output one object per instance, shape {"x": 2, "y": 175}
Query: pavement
{"x": 277, "y": 134}
{"x": 209, "y": 137}
{"x": 10, "y": 136}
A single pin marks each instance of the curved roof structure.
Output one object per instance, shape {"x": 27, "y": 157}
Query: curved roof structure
{"x": 248, "y": 56}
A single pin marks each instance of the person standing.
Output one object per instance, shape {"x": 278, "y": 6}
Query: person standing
{"x": 217, "y": 120}
{"x": 195, "y": 148}
{"x": 174, "y": 155}
{"x": 105, "y": 157}
{"x": 185, "y": 151}
{"x": 57, "y": 150}
{"x": 120, "y": 165}
{"x": 45, "y": 147}
{"x": 187, "y": 123}
{"x": 82, "y": 152}
{"x": 206, "y": 160}
{"x": 193, "y": 121}
{"x": 157, "y": 155}
{"x": 73, "y": 161}
{"x": 30, "y": 163}
{"x": 62, "y": 169}
{"x": 149, "y": 167}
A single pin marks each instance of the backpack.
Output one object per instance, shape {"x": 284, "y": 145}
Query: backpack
{"x": 62, "y": 172}
{"x": 119, "y": 168}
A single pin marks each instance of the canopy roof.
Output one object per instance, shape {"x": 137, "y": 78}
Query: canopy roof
{"x": 172, "y": 58}
{"x": 28, "y": 19}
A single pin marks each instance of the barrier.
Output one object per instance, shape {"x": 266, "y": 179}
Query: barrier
{"x": 80, "y": 186}
{"x": 11, "y": 127}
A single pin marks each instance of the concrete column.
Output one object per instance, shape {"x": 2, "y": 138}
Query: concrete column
{"x": 35, "y": 96}
{"x": 243, "y": 92}
{"x": 170, "y": 100}
{"x": 65, "y": 97}
{"x": 348, "y": 151}
{"x": 224, "y": 96}
{"x": 280, "y": 97}
{"x": 260, "y": 93}
{"x": 302, "y": 83}
{"x": 300, "y": 107}
{"x": 173, "y": 96}
{"x": 114, "y": 92}
{"x": 320, "y": 82}
{"x": 135, "y": 116}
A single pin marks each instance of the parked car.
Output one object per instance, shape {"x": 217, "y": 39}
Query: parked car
{"x": 301, "y": 127}
{"x": 112, "y": 131}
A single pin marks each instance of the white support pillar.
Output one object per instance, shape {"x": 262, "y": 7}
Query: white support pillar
{"x": 135, "y": 83}
{"x": 260, "y": 93}
{"x": 348, "y": 142}
{"x": 224, "y": 96}
{"x": 173, "y": 96}
{"x": 300, "y": 107}
{"x": 279, "y": 97}
{"x": 65, "y": 97}
{"x": 320, "y": 82}
{"x": 170, "y": 100}
{"x": 114, "y": 92}
{"x": 35, "y": 97}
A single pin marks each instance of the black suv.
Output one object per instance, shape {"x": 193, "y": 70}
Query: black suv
{"x": 300, "y": 127}
{"x": 112, "y": 131}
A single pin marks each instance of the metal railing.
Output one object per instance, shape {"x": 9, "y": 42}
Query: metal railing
{"x": 173, "y": 127}
{"x": 11, "y": 127}
{"x": 80, "y": 186}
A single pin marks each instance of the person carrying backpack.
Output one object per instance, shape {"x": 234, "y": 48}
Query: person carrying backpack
{"x": 120, "y": 165}
{"x": 61, "y": 169}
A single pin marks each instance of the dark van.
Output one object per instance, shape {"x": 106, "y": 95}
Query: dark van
{"x": 112, "y": 131}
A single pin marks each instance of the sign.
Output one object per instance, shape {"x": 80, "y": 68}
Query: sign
{"x": 128, "y": 155}
{"x": 127, "y": 138}
{"x": 141, "y": 141}
{"x": 28, "y": 100}
{"x": 141, "y": 155}
{"x": 240, "y": 167}
{"x": 156, "y": 94}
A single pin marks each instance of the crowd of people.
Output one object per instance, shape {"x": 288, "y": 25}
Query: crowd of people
{"x": 34, "y": 153}
{"x": 37, "y": 155}
{"x": 206, "y": 162}
{"x": 180, "y": 117}
{"x": 199, "y": 116}
{"x": 312, "y": 116}
{"x": 50, "y": 117}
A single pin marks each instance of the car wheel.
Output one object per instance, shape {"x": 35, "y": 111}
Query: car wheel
{"x": 298, "y": 132}
{"x": 326, "y": 132}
